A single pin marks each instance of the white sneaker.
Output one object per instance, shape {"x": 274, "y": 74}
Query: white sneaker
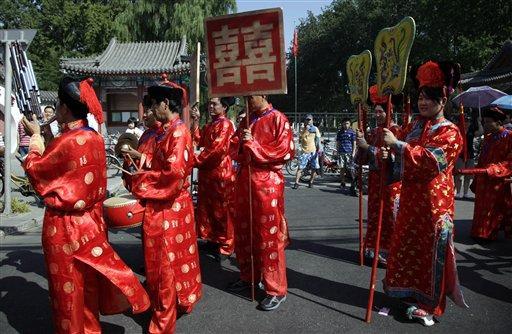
{"x": 421, "y": 316}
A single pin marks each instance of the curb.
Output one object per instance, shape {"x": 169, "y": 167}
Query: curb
{"x": 19, "y": 225}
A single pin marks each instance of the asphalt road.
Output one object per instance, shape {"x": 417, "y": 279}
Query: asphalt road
{"x": 327, "y": 292}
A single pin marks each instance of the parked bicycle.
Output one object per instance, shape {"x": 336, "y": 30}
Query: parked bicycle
{"x": 113, "y": 161}
{"x": 21, "y": 182}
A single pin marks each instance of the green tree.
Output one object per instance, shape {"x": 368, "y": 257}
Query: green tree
{"x": 153, "y": 20}
{"x": 66, "y": 28}
{"x": 457, "y": 30}
{"x": 77, "y": 28}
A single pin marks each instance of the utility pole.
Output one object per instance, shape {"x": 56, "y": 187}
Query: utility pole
{"x": 23, "y": 36}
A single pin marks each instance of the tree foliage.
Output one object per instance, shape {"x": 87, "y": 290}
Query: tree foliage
{"x": 457, "y": 30}
{"x": 154, "y": 20}
{"x": 77, "y": 28}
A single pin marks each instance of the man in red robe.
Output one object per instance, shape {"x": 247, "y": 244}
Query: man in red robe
{"x": 493, "y": 197}
{"x": 216, "y": 177}
{"x": 143, "y": 155}
{"x": 369, "y": 153}
{"x": 264, "y": 146}
{"x": 421, "y": 266}
{"x": 169, "y": 237}
{"x": 70, "y": 174}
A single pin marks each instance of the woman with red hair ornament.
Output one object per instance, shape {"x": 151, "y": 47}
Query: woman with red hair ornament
{"x": 421, "y": 268}
{"x": 368, "y": 153}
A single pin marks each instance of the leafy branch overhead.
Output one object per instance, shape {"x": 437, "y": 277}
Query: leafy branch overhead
{"x": 457, "y": 30}
{"x": 73, "y": 28}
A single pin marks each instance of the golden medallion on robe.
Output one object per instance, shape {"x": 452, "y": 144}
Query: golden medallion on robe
{"x": 68, "y": 287}
{"x": 96, "y": 251}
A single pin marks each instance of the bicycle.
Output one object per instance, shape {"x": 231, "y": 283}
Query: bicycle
{"x": 22, "y": 183}
{"x": 329, "y": 165}
{"x": 113, "y": 162}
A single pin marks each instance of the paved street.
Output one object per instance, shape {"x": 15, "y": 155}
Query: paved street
{"x": 327, "y": 288}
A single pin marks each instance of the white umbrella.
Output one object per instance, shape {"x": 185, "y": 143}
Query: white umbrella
{"x": 16, "y": 118}
{"x": 477, "y": 97}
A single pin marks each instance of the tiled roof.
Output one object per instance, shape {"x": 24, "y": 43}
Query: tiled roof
{"x": 139, "y": 58}
{"x": 48, "y": 96}
{"x": 499, "y": 69}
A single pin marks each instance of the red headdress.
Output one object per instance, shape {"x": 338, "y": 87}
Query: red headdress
{"x": 184, "y": 95}
{"x": 89, "y": 98}
{"x": 430, "y": 75}
{"x": 375, "y": 98}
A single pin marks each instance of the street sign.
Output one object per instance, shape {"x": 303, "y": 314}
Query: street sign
{"x": 246, "y": 54}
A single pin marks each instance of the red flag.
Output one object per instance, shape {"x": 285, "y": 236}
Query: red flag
{"x": 295, "y": 47}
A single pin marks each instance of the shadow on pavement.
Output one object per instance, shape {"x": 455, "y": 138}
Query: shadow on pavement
{"x": 26, "y": 261}
{"x": 331, "y": 252}
{"x": 17, "y": 293}
{"x": 107, "y": 327}
{"x": 335, "y": 291}
{"x": 475, "y": 261}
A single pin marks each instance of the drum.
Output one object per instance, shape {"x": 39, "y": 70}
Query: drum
{"x": 123, "y": 211}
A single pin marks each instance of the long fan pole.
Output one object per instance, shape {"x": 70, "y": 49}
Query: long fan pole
{"x": 360, "y": 180}
{"x": 373, "y": 278}
{"x": 250, "y": 205}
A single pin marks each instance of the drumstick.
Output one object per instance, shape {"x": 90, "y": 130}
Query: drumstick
{"x": 122, "y": 169}
{"x": 133, "y": 162}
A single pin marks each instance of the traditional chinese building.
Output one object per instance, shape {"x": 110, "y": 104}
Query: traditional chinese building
{"x": 48, "y": 98}
{"x": 497, "y": 73}
{"x": 123, "y": 72}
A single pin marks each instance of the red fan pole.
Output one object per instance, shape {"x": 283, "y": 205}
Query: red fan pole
{"x": 360, "y": 181}
{"x": 373, "y": 277}
{"x": 407, "y": 112}
{"x": 249, "y": 172}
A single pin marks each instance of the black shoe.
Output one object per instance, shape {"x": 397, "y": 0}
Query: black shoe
{"x": 271, "y": 302}
{"x": 238, "y": 286}
{"x": 310, "y": 185}
{"x": 295, "y": 186}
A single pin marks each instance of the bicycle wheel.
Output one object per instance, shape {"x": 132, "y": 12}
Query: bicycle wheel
{"x": 292, "y": 166}
{"x": 306, "y": 175}
{"x": 112, "y": 162}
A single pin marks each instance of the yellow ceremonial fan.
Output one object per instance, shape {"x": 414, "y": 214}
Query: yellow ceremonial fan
{"x": 392, "y": 48}
{"x": 358, "y": 71}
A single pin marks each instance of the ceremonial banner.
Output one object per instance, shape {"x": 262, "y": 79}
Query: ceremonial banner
{"x": 246, "y": 54}
{"x": 358, "y": 72}
{"x": 392, "y": 49}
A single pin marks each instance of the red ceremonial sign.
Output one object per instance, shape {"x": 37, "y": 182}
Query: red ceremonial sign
{"x": 246, "y": 54}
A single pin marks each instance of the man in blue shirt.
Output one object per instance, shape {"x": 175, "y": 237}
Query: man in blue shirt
{"x": 346, "y": 146}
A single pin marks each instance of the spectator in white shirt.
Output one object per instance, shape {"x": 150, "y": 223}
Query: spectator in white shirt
{"x": 132, "y": 127}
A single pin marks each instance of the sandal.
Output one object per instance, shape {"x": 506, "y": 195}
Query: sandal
{"x": 420, "y": 315}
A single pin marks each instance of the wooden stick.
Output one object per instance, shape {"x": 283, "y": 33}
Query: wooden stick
{"x": 122, "y": 169}
{"x": 360, "y": 179}
{"x": 250, "y": 204}
{"x": 376, "y": 250}
{"x": 133, "y": 162}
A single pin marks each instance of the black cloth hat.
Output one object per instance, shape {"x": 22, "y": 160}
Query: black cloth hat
{"x": 227, "y": 101}
{"x": 160, "y": 92}
{"x": 494, "y": 112}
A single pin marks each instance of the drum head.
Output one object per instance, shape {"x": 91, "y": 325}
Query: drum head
{"x": 122, "y": 200}
{"x": 126, "y": 139}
